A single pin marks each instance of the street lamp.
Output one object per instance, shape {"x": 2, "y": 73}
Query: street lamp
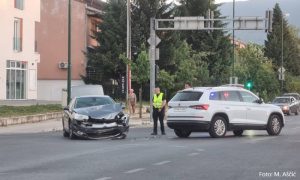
{"x": 281, "y": 69}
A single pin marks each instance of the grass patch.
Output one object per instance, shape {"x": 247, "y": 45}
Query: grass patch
{"x": 12, "y": 111}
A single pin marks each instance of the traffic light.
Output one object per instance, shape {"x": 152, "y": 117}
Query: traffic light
{"x": 248, "y": 85}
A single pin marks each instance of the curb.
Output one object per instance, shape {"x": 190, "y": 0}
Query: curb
{"x": 29, "y": 119}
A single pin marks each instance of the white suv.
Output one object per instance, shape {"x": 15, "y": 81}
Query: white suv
{"x": 220, "y": 109}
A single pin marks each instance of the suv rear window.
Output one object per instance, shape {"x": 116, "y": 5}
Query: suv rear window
{"x": 187, "y": 96}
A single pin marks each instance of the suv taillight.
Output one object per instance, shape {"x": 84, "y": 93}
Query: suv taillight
{"x": 200, "y": 107}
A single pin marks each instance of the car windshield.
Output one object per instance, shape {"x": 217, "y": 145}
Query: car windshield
{"x": 187, "y": 96}
{"x": 83, "y": 102}
{"x": 281, "y": 100}
{"x": 294, "y": 95}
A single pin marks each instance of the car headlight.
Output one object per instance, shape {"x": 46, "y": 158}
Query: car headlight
{"x": 285, "y": 107}
{"x": 80, "y": 117}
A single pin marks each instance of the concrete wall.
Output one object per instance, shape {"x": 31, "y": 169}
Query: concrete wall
{"x": 51, "y": 90}
{"x": 30, "y": 15}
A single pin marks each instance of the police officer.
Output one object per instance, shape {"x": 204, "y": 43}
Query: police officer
{"x": 159, "y": 103}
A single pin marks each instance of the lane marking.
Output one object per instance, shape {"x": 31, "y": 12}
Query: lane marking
{"x": 179, "y": 146}
{"x": 134, "y": 170}
{"x": 193, "y": 154}
{"x": 161, "y": 163}
{"x": 104, "y": 178}
{"x": 200, "y": 150}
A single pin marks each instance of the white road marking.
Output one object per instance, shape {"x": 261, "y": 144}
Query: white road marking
{"x": 200, "y": 150}
{"x": 134, "y": 170}
{"x": 179, "y": 146}
{"x": 193, "y": 154}
{"x": 104, "y": 178}
{"x": 161, "y": 163}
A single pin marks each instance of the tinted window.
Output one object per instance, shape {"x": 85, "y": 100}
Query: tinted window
{"x": 92, "y": 101}
{"x": 187, "y": 96}
{"x": 229, "y": 96}
{"x": 214, "y": 96}
{"x": 281, "y": 100}
{"x": 247, "y": 97}
{"x": 294, "y": 95}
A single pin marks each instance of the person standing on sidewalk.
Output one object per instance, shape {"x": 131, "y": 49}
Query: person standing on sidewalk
{"x": 187, "y": 85}
{"x": 132, "y": 101}
{"x": 159, "y": 103}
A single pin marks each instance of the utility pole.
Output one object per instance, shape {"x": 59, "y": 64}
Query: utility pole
{"x": 128, "y": 48}
{"x": 233, "y": 38}
{"x": 69, "y": 53}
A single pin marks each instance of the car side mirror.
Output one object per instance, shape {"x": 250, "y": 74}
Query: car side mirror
{"x": 259, "y": 101}
{"x": 66, "y": 108}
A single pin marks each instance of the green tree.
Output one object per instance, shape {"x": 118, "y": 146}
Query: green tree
{"x": 215, "y": 44}
{"x": 104, "y": 61}
{"x": 140, "y": 70}
{"x": 251, "y": 64}
{"x": 290, "y": 50}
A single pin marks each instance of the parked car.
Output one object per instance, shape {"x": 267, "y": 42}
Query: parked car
{"x": 288, "y": 104}
{"x": 94, "y": 117}
{"x": 296, "y": 96}
{"x": 220, "y": 109}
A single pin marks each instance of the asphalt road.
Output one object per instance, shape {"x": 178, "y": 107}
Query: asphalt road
{"x": 256, "y": 155}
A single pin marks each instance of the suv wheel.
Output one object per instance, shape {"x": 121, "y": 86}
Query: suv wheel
{"x": 71, "y": 131}
{"x": 274, "y": 125}
{"x": 238, "y": 132}
{"x": 218, "y": 127}
{"x": 182, "y": 133}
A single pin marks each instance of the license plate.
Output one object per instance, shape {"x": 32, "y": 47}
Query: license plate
{"x": 104, "y": 125}
{"x": 180, "y": 109}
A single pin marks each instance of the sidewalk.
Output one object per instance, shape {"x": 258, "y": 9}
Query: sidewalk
{"x": 56, "y": 125}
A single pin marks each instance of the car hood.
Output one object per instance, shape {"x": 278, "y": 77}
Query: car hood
{"x": 101, "y": 112}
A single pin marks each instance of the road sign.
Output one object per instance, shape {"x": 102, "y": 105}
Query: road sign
{"x": 156, "y": 42}
{"x": 281, "y": 69}
{"x": 281, "y": 77}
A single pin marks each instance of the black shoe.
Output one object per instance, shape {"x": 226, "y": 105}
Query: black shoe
{"x": 153, "y": 133}
{"x": 163, "y": 133}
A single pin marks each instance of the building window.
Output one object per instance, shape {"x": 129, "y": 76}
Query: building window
{"x": 19, "y": 4}
{"x": 17, "y": 39}
{"x": 16, "y": 79}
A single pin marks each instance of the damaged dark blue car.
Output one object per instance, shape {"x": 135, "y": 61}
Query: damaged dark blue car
{"x": 95, "y": 117}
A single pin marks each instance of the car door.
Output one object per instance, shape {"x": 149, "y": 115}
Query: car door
{"x": 257, "y": 114}
{"x": 232, "y": 104}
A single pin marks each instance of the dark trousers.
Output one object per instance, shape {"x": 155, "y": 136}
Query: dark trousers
{"x": 158, "y": 116}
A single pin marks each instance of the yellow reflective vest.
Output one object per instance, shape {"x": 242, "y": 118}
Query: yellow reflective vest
{"x": 157, "y": 101}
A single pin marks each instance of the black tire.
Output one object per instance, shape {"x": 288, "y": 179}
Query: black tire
{"x": 71, "y": 131}
{"x": 218, "y": 127}
{"x": 182, "y": 133}
{"x": 297, "y": 111}
{"x": 238, "y": 132}
{"x": 65, "y": 133}
{"x": 274, "y": 125}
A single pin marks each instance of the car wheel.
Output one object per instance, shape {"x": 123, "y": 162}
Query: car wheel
{"x": 71, "y": 131}
{"x": 238, "y": 132}
{"x": 297, "y": 111}
{"x": 65, "y": 133}
{"x": 218, "y": 127}
{"x": 182, "y": 133}
{"x": 274, "y": 125}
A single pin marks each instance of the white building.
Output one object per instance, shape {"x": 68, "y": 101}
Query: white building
{"x": 18, "y": 56}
